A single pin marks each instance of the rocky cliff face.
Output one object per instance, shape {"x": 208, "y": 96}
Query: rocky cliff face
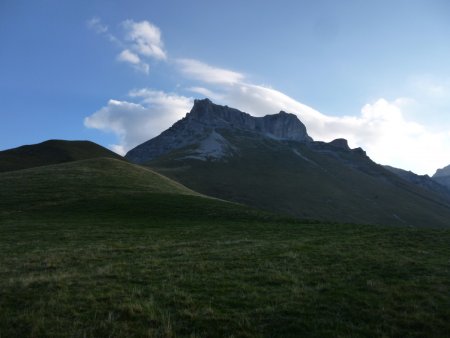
{"x": 280, "y": 126}
{"x": 203, "y": 127}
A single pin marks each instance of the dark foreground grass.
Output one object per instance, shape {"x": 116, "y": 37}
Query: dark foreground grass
{"x": 174, "y": 265}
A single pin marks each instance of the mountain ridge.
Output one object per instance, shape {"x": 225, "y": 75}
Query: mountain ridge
{"x": 200, "y": 128}
{"x": 288, "y": 172}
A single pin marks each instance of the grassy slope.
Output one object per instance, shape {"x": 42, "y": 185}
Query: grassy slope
{"x": 159, "y": 260}
{"x": 269, "y": 175}
{"x": 51, "y": 152}
{"x": 444, "y": 180}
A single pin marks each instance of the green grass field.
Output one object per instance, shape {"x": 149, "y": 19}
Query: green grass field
{"x": 167, "y": 262}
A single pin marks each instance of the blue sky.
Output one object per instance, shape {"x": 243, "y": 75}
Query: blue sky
{"x": 120, "y": 72}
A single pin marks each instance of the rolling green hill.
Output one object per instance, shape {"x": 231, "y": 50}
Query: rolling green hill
{"x": 101, "y": 247}
{"x": 82, "y": 180}
{"x": 51, "y": 152}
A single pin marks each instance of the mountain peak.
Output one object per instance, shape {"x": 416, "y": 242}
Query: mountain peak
{"x": 281, "y": 126}
{"x": 201, "y": 105}
{"x": 204, "y": 127}
{"x": 201, "y": 102}
{"x": 283, "y": 113}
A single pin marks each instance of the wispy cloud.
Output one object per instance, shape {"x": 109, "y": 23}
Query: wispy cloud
{"x": 141, "y": 40}
{"x": 100, "y": 28}
{"x": 96, "y": 25}
{"x": 198, "y": 70}
{"x": 128, "y": 56}
{"x": 145, "y": 39}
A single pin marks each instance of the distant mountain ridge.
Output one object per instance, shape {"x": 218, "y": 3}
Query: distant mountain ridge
{"x": 423, "y": 181}
{"x": 272, "y": 163}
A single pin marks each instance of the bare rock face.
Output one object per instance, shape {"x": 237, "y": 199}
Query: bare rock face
{"x": 280, "y": 126}
{"x": 202, "y": 130}
{"x": 284, "y": 126}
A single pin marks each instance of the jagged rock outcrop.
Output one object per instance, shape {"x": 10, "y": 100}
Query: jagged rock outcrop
{"x": 202, "y": 130}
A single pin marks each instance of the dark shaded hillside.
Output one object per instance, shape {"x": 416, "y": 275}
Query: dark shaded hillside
{"x": 272, "y": 163}
{"x": 51, "y": 152}
{"x": 308, "y": 180}
{"x": 85, "y": 180}
{"x": 423, "y": 181}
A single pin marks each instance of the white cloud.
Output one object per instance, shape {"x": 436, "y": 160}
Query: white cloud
{"x": 134, "y": 123}
{"x": 145, "y": 39}
{"x": 142, "y": 40}
{"x": 119, "y": 149}
{"x": 96, "y": 25}
{"x": 129, "y": 57}
{"x": 197, "y": 70}
{"x": 390, "y": 138}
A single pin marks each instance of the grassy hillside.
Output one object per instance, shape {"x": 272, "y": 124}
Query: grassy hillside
{"x": 81, "y": 180}
{"x": 444, "y": 180}
{"x": 51, "y": 152}
{"x": 102, "y": 248}
{"x": 309, "y": 182}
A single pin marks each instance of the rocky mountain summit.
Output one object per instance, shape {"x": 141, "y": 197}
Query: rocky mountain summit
{"x": 204, "y": 127}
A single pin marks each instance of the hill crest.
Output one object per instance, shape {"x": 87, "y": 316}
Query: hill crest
{"x": 51, "y": 152}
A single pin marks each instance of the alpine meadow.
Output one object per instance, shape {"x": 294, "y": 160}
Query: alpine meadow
{"x": 159, "y": 176}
